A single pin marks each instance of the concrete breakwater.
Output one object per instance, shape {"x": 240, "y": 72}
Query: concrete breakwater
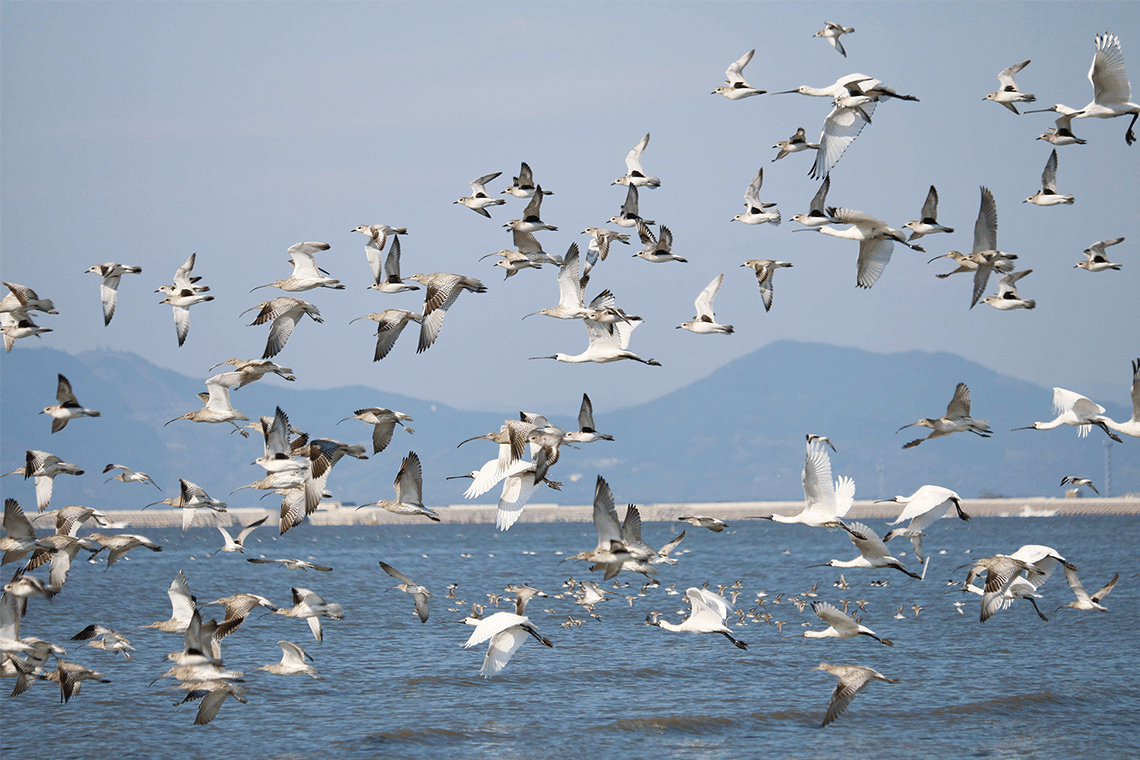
{"x": 334, "y": 514}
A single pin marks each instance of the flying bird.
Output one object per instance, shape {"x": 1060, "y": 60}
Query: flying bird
{"x": 1096, "y": 259}
{"x": 956, "y": 420}
{"x": 1048, "y": 195}
{"x": 765, "y": 269}
{"x": 635, "y": 176}
{"x": 852, "y": 680}
{"x": 704, "y": 323}
{"x": 794, "y": 144}
{"x": 479, "y": 200}
{"x": 832, "y": 32}
{"x": 1008, "y": 94}
{"x": 68, "y": 407}
{"x": 736, "y": 86}
{"x": 109, "y": 289}
{"x": 1007, "y": 296}
{"x": 419, "y": 593}
{"x": 757, "y": 211}
{"x": 928, "y": 223}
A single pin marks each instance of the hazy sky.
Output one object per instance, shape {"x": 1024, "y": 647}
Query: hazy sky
{"x": 142, "y": 132}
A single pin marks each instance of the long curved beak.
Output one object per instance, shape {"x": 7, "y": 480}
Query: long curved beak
{"x": 904, "y": 427}
{"x": 936, "y": 258}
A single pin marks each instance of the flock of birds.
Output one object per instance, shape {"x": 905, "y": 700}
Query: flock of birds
{"x": 297, "y": 466}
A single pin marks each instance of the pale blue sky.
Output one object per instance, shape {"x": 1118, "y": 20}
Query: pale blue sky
{"x": 142, "y": 132}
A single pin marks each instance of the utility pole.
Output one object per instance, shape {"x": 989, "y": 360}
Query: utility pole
{"x": 1107, "y": 467}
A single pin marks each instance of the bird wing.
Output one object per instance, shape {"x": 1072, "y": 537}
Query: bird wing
{"x": 410, "y": 481}
{"x": 182, "y": 274}
{"x": 249, "y": 529}
{"x": 819, "y": 491}
{"x": 764, "y": 275}
{"x": 752, "y": 194}
{"x": 63, "y": 393}
{"x": 844, "y": 495}
{"x": 569, "y": 285}
{"x": 1077, "y": 587}
{"x": 849, "y": 685}
{"x": 704, "y": 302}
{"x": 304, "y": 265}
{"x": 831, "y": 615}
{"x": 1005, "y": 78}
{"x": 820, "y": 199}
{"x": 1107, "y": 73}
{"x": 874, "y": 255}
{"x": 1095, "y": 597}
{"x": 16, "y": 523}
{"x": 109, "y": 294}
{"x": 518, "y": 488}
{"x": 586, "y": 414}
{"x": 840, "y": 129}
{"x": 930, "y": 207}
{"x": 477, "y": 185}
{"x": 985, "y": 228}
{"x": 181, "y": 600}
{"x": 277, "y": 436}
{"x": 1049, "y": 176}
{"x": 492, "y": 625}
{"x": 218, "y": 386}
{"x": 392, "y": 263}
{"x": 605, "y": 516}
{"x": 1007, "y": 287}
{"x": 959, "y": 406}
{"x": 532, "y": 210}
{"x": 866, "y": 541}
{"x": 438, "y": 298}
{"x": 735, "y": 73}
{"x": 633, "y": 160}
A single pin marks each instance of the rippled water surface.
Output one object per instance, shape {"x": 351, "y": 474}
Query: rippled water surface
{"x": 1015, "y": 686}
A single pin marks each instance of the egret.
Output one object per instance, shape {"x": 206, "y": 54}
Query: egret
{"x": 707, "y": 615}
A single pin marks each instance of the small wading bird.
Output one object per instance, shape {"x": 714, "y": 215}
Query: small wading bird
{"x": 383, "y": 422}
{"x": 109, "y": 289}
{"x": 68, "y": 407}
{"x": 832, "y": 32}
{"x": 1048, "y": 195}
{"x": 707, "y": 615}
{"x": 736, "y": 86}
{"x": 1008, "y": 94}
{"x": 1084, "y": 601}
{"x": 389, "y": 324}
{"x": 704, "y": 323}
{"x": 928, "y": 223}
{"x": 1062, "y": 133}
{"x": 956, "y": 420}
{"x": 1078, "y": 481}
{"x": 419, "y": 593}
{"x": 634, "y": 175}
{"x": 129, "y": 476}
{"x": 409, "y": 491}
{"x": 1007, "y": 297}
{"x": 794, "y": 144}
{"x": 984, "y": 257}
{"x": 765, "y": 269}
{"x": 852, "y": 680}
{"x": 523, "y": 185}
{"x": 1097, "y": 260}
{"x": 479, "y": 200}
{"x": 441, "y": 290}
{"x": 757, "y": 211}
{"x": 703, "y": 521}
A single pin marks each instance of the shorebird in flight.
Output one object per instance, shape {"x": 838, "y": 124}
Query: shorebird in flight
{"x": 765, "y": 269}
{"x": 479, "y": 200}
{"x": 283, "y": 313}
{"x": 956, "y": 420}
{"x": 757, "y": 211}
{"x": 383, "y": 422}
{"x": 1096, "y": 259}
{"x": 389, "y": 324}
{"x": 634, "y": 175}
{"x": 832, "y": 32}
{"x": 852, "y": 680}
{"x": 409, "y": 487}
{"x": 704, "y": 323}
{"x": 735, "y": 87}
{"x": 127, "y": 475}
{"x": 1008, "y": 94}
{"x": 523, "y": 185}
{"x": 441, "y": 290}
{"x": 68, "y": 407}
{"x": 1048, "y": 195}
{"x": 707, "y": 614}
{"x": 420, "y": 594}
{"x": 109, "y": 289}
{"x": 794, "y": 144}
{"x": 927, "y": 224}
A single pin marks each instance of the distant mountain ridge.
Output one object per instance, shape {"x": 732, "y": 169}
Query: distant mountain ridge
{"x": 736, "y": 435}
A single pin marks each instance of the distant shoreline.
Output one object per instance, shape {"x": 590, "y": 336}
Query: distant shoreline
{"x": 333, "y": 514}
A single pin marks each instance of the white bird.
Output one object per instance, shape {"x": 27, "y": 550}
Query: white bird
{"x": 479, "y": 200}
{"x": 586, "y": 433}
{"x": 388, "y": 280}
{"x": 1112, "y": 92}
{"x": 1076, "y": 480}
{"x": 1074, "y": 409}
{"x": 306, "y": 274}
{"x": 68, "y": 407}
{"x": 311, "y": 607}
{"x": 1048, "y": 195}
{"x": 826, "y": 501}
{"x": 238, "y": 544}
{"x": 182, "y": 604}
{"x": 765, "y": 269}
{"x": 956, "y": 420}
{"x": 927, "y": 224}
{"x": 183, "y": 279}
{"x": 283, "y": 312}
{"x": 190, "y": 497}
{"x": 293, "y": 662}
{"x": 216, "y": 407}
{"x": 505, "y": 632}
{"x": 1131, "y": 426}
{"x": 531, "y": 221}
{"x": 832, "y": 32}
{"x": 707, "y": 615}
{"x": 181, "y": 301}
{"x": 873, "y": 552}
{"x": 17, "y": 325}
{"x": 599, "y": 247}
{"x": 523, "y": 185}
{"x": 852, "y": 680}
{"x": 1007, "y": 93}
{"x": 1096, "y": 259}
{"x": 409, "y": 485}
{"x": 757, "y": 211}
{"x": 628, "y": 215}
{"x": 127, "y": 475}
{"x": 737, "y": 87}
{"x": 634, "y": 175}
{"x": 657, "y": 249}
{"x": 441, "y": 290}
{"x": 819, "y": 214}
{"x": 922, "y": 508}
{"x": 1007, "y": 296}
{"x": 1062, "y": 132}
{"x": 109, "y": 289}
{"x": 608, "y": 343}
{"x": 389, "y": 324}
{"x": 704, "y": 323}
{"x": 420, "y": 594}
{"x": 1084, "y": 600}
{"x": 383, "y": 423}
{"x": 291, "y": 564}
{"x": 840, "y": 625}
{"x": 876, "y": 241}
{"x": 21, "y": 299}
{"x": 571, "y": 303}
{"x": 278, "y": 456}
{"x": 794, "y": 144}
{"x": 44, "y": 467}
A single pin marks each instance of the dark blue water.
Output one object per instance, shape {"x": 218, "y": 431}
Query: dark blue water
{"x": 1013, "y": 687}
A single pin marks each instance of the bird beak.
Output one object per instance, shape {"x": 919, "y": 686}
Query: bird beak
{"x": 783, "y": 92}
{"x": 543, "y": 357}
